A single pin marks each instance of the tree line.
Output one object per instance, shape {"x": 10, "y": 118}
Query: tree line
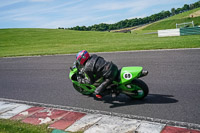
{"x": 136, "y": 21}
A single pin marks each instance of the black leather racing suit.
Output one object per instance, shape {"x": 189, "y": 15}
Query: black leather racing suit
{"x": 95, "y": 68}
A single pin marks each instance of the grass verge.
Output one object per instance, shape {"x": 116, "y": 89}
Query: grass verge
{"x": 9, "y": 126}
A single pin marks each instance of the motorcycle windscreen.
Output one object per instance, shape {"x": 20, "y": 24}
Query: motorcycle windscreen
{"x": 72, "y": 72}
{"x": 129, "y": 73}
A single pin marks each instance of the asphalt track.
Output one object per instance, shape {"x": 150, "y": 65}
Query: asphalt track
{"x": 173, "y": 80}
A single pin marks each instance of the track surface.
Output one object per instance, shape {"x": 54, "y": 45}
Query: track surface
{"x": 173, "y": 80}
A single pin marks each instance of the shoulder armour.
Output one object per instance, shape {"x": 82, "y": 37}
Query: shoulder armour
{"x": 89, "y": 66}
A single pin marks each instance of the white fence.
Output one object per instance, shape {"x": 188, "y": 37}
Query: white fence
{"x": 169, "y": 32}
{"x": 185, "y": 24}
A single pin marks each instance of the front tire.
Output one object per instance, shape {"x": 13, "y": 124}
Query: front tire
{"x": 140, "y": 89}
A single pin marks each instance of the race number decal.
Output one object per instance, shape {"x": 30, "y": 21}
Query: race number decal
{"x": 127, "y": 76}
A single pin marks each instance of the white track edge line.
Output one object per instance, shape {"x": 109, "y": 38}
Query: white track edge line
{"x": 131, "y": 51}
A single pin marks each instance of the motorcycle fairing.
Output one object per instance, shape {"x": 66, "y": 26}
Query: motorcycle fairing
{"x": 129, "y": 73}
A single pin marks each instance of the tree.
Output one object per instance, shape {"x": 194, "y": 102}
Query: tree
{"x": 77, "y": 28}
{"x": 173, "y": 11}
{"x": 178, "y": 10}
{"x": 186, "y": 7}
{"x": 191, "y": 6}
{"x": 167, "y": 13}
{"x": 196, "y": 4}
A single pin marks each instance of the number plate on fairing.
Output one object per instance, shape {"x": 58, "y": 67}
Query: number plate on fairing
{"x": 127, "y": 76}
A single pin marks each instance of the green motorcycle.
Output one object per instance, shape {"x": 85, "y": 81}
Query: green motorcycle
{"x": 127, "y": 82}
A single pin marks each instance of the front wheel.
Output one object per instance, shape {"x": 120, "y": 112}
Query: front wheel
{"x": 140, "y": 89}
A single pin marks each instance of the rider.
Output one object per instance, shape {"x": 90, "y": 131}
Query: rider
{"x": 92, "y": 68}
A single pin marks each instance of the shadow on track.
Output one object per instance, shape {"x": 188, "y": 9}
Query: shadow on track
{"x": 123, "y": 100}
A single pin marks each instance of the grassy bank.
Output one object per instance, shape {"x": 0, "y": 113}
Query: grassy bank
{"x": 26, "y": 42}
{"x": 170, "y": 23}
{"x": 184, "y": 14}
{"x": 8, "y": 126}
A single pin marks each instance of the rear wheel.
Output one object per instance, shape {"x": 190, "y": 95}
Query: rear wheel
{"x": 81, "y": 90}
{"x": 140, "y": 89}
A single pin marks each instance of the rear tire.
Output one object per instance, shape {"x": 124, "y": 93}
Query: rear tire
{"x": 140, "y": 91}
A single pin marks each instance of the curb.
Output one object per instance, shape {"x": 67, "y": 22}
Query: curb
{"x": 69, "y": 120}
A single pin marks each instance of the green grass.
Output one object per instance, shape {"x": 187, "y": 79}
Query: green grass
{"x": 8, "y": 126}
{"x": 28, "y": 42}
